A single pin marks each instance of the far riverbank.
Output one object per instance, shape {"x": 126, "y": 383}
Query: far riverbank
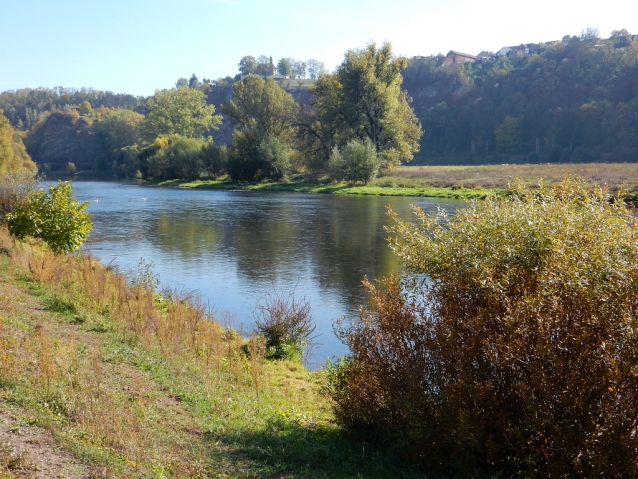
{"x": 453, "y": 182}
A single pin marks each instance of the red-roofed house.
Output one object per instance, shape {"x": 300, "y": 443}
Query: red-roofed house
{"x": 458, "y": 58}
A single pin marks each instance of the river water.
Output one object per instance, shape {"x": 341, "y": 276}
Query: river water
{"x": 235, "y": 247}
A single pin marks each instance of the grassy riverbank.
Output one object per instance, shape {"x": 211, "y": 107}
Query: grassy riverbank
{"x": 100, "y": 378}
{"x": 457, "y": 182}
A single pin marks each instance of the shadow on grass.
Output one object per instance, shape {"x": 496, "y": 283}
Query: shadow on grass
{"x": 285, "y": 448}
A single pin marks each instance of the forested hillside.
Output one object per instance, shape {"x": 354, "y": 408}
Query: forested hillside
{"x": 576, "y": 100}
{"x": 24, "y": 107}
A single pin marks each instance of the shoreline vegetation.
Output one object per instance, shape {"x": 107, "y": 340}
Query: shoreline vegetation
{"x": 453, "y": 182}
{"x": 125, "y": 383}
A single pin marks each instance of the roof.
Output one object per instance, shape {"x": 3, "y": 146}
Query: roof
{"x": 462, "y": 54}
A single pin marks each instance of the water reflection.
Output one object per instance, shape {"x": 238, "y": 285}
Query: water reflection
{"x": 236, "y": 246}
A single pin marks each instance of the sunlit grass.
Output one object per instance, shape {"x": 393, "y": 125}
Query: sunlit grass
{"x": 459, "y": 182}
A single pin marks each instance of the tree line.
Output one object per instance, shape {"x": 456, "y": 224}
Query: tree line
{"x": 357, "y": 123}
{"x": 24, "y": 107}
{"x": 286, "y": 66}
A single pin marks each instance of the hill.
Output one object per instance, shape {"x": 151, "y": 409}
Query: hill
{"x": 573, "y": 100}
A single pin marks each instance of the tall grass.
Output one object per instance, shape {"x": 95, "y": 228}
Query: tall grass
{"x": 69, "y": 378}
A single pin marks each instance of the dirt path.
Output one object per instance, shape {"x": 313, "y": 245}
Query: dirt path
{"x": 32, "y": 452}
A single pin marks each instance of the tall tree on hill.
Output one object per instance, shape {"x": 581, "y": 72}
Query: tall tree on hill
{"x": 315, "y": 68}
{"x": 620, "y": 38}
{"x": 590, "y": 34}
{"x": 299, "y": 69}
{"x": 363, "y": 100}
{"x": 247, "y": 65}
{"x": 193, "y": 82}
{"x": 284, "y": 67}
{"x": 264, "y": 66}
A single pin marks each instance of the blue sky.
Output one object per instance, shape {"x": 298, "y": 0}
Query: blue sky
{"x": 137, "y": 46}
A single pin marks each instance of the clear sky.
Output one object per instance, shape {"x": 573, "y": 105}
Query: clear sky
{"x": 137, "y": 46}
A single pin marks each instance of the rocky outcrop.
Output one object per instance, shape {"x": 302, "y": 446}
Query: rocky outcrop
{"x": 64, "y": 138}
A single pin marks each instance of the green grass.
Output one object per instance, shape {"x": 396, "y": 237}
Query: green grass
{"x": 372, "y": 189}
{"x": 455, "y": 182}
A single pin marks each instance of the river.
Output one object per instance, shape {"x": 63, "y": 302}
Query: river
{"x": 233, "y": 248}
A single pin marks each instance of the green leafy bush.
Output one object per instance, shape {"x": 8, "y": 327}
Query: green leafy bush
{"x": 56, "y": 217}
{"x": 511, "y": 346}
{"x": 181, "y": 158}
{"x": 356, "y": 161}
{"x": 275, "y": 157}
{"x": 254, "y": 156}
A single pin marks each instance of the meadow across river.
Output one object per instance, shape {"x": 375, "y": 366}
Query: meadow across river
{"x": 454, "y": 182}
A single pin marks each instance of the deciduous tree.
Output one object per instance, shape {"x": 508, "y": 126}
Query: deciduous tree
{"x": 363, "y": 100}
{"x": 315, "y": 68}
{"x": 13, "y": 156}
{"x": 247, "y": 65}
{"x": 299, "y": 69}
{"x": 120, "y": 128}
{"x": 355, "y": 161}
{"x": 284, "y": 67}
{"x": 182, "y": 111}
{"x": 264, "y": 106}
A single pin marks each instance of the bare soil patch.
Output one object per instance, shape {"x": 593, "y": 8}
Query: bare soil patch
{"x": 32, "y": 452}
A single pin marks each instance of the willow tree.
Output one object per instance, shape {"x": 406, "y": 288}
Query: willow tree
{"x": 263, "y": 115}
{"x": 363, "y": 100}
{"x": 262, "y": 105}
{"x": 182, "y": 111}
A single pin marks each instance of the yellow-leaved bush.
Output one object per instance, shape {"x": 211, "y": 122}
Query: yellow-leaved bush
{"x": 510, "y": 345}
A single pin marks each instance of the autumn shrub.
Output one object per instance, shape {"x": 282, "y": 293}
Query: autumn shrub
{"x": 510, "y": 346}
{"x": 286, "y": 324}
{"x": 15, "y": 189}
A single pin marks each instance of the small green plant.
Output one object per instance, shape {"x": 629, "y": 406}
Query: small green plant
{"x": 286, "y": 324}
{"x": 54, "y": 216}
{"x": 143, "y": 275}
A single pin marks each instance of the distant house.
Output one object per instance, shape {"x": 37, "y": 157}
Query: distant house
{"x": 458, "y": 58}
{"x": 486, "y": 56}
{"x": 519, "y": 51}
{"x": 503, "y": 52}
